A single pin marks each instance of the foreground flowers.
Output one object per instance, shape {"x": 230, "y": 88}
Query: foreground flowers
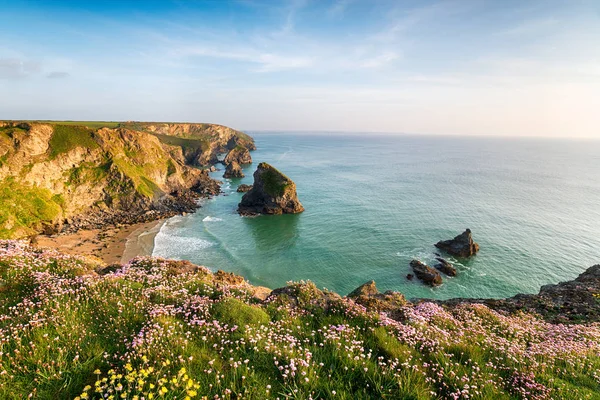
{"x": 157, "y": 329}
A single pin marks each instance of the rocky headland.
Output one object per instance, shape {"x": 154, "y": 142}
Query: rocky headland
{"x": 239, "y": 154}
{"x": 60, "y": 177}
{"x": 233, "y": 170}
{"x": 271, "y": 193}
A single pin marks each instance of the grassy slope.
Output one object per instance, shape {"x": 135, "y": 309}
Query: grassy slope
{"x": 154, "y": 332}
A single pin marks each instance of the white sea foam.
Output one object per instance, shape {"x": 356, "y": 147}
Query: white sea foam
{"x": 211, "y": 219}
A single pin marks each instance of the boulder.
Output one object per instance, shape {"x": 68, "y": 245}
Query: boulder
{"x": 243, "y": 188}
{"x": 368, "y": 296}
{"x": 445, "y": 267}
{"x": 426, "y": 274}
{"x": 233, "y": 170}
{"x": 239, "y": 154}
{"x": 461, "y": 246}
{"x": 272, "y": 193}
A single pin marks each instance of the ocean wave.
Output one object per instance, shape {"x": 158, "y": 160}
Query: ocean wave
{"x": 211, "y": 219}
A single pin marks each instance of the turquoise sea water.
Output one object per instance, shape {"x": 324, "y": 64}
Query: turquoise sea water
{"x": 373, "y": 203}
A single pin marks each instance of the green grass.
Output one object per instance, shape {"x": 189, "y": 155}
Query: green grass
{"x": 89, "y": 124}
{"x": 24, "y": 208}
{"x": 69, "y": 137}
{"x": 187, "y": 144}
{"x": 275, "y": 182}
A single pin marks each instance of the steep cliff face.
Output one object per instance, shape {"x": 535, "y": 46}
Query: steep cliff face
{"x": 200, "y": 143}
{"x": 63, "y": 177}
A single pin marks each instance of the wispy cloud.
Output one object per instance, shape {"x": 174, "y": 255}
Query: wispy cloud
{"x": 11, "y": 68}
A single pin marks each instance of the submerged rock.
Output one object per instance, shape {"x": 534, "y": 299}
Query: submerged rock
{"x": 461, "y": 246}
{"x": 445, "y": 267}
{"x": 233, "y": 170}
{"x": 425, "y": 273}
{"x": 272, "y": 193}
{"x": 243, "y": 188}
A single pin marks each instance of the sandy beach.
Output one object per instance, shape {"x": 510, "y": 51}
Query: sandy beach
{"x": 111, "y": 245}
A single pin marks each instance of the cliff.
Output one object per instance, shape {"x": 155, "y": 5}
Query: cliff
{"x": 57, "y": 176}
{"x": 156, "y": 328}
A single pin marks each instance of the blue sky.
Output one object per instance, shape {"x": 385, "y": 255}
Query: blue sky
{"x": 439, "y": 67}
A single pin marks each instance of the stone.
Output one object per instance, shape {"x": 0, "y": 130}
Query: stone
{"x": 243, "y": 188}
{"x": 446, "y": 267}
{"x": 233, "y": 170}
{"x": 272, "y": 193}
{"x": 425, "y": 273}
{"x": 461, "y": 246}
{"x": 239, "y": 154}
{"x": 368, "y": 296}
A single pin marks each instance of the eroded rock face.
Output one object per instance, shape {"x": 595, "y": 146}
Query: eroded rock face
{"x": 368, "y": 296}
{"x": 233, "y": 170}
{"x": 239, "y": 154}
{"x": 445, "y": 267}
{"x": 243, "y": 188}
{"x": 272, "y": 193}
{"x": 426, "y": 274}
{"x": 461, "y": 246}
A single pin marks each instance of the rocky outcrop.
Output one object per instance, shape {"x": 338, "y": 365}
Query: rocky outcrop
{"x": 461, "y": 246}
{"x": 243, "y": 188}
{"x": 239, "y": 154}
{"x": 425, "y": 273}
{"x": 272, "y": 193}
{"x": 200, "y": 143}
{"x": 77, "y": 177}
{"x": 445, "y": 267}
{"x": 233, "y": 170}
{"x": 368, "y": 296}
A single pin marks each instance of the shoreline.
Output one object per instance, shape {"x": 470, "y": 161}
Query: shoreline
{"x": 109, "y": 245}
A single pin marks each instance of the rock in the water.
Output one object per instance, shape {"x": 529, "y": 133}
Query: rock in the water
{"x": 243, "y": 188}
{"x": 445, "y": 267}
{"x": 409, "y": 277}
{"x": 239, "y": 154}
{"x": 272, "y": 193}
{"x": 461, "y": 246}
{"x": 233, "y": 170}
{"x": 425, "y": 273}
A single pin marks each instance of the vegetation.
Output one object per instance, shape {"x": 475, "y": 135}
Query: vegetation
{"x": 89, "y": 124}
{"x": 151, "y": 330}
{"x": 23, "y": 209}
{"x": 186, "y": 144}
{"x": 68, "y": 137}
{"x": 275, "y": 182}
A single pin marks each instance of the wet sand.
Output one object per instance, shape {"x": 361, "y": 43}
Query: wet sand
{"x": 111, "y": 245}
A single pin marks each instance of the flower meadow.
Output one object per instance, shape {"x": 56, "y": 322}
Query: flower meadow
{"x": 152, "y": 329}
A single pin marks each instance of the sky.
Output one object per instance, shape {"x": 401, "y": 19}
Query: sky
{"x": 460, "y": 67}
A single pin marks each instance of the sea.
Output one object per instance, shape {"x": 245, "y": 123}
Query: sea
{"x": 375, "y": 202}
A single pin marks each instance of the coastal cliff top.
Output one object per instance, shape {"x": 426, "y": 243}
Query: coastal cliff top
{"x": 164, "y": 328}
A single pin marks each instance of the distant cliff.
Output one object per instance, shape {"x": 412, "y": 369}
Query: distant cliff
{"x": 60, "y": 176}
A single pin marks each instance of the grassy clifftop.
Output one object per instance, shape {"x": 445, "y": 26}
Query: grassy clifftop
{"x": 167, "y": 329}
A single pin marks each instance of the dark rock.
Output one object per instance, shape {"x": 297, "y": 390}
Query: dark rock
{"x": 272, "y": 193}
{"x": 461, "y": 246}
{"x": 233, "y": 170}
{"x": 410, "y": 277}
{"x": 425, "y": 273}
{"x": 243, "y": 188}
{"x": 445, "y": 267}
{"x": 239, "y": 154}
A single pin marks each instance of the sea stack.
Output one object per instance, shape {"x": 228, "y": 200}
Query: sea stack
{"x": 426, "y": 274}
{"x": 233, "y": 170}
{"x": 461, "y": 246}
{"x": 272, "y": 193}
{"x": 239, "y": 154}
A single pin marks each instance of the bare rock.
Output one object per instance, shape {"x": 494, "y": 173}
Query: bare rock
{"x": 426, "y": 274}
{"x": 239, "y": 154}
{"x": 461, "y": 246}
{"x": 243, "y": 188}
{"x": 233, "y": 170}
{"x": 446, "y": 267}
